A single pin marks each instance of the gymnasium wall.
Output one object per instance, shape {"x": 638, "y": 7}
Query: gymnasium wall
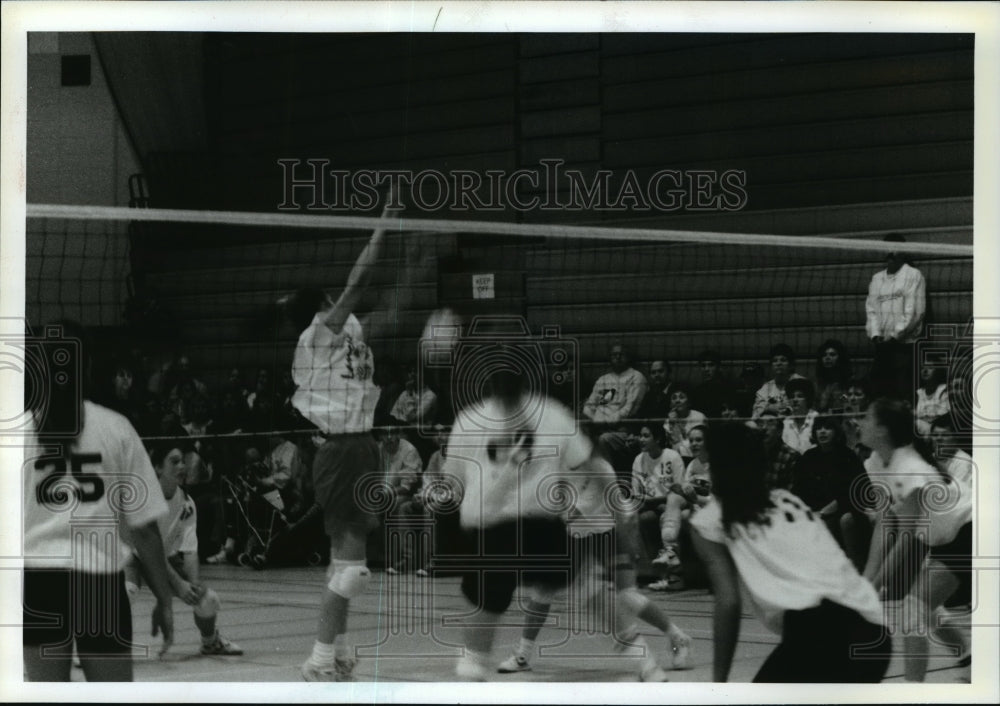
{"x": 78, "y": 152}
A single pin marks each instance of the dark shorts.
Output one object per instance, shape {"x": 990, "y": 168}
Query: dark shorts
{"x": 62, "y": 606}
{"x": 532, "y": 551}
{"x": 347, "y": 482}
{"x": 957, "y": 556}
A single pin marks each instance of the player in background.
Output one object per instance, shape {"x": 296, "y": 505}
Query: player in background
{"x": 591, "y": 522}
{"x": 178, "y": 529}
{"x": 86, "y": 476}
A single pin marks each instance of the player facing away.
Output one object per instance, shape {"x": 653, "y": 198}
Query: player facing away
{"x": 86, "y": 476}
{"x": 332, "y": 369}
{"x": 178, "y": 529}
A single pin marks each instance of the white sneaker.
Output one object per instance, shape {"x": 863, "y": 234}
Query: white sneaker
{"x": 661, "y": 585}
{"x": 514, "y": 663}
{"x": 221, "y": 646}
{"x": 680, "y": 646}
{"x": 468, "y": 669}
{"x": 340, "y": 670}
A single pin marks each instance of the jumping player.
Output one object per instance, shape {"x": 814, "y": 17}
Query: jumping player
{"x": 178, "y": 529}
{"x": 333, "y": 369}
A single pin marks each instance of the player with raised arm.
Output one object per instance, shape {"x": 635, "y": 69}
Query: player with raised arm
{"x": 86, "y": 476}
{"x": 178, "y": 529}
{"x": 333, "y": 369}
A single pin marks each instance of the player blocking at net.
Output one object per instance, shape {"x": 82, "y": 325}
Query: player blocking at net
{"x": 179, "y": 532}
{"x": 332, "y": 369}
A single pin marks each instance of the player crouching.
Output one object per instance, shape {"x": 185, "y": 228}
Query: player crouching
{"x": 178, "y": 528}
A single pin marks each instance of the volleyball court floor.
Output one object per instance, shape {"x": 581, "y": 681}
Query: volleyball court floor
{"x": 404, "y": 627}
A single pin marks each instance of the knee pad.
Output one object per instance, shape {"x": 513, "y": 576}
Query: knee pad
{"x": 132, "y": 589}
{"x": 348, "y": 578}
{"x": 633, "y": 601}
{"x": 209, "y": 606}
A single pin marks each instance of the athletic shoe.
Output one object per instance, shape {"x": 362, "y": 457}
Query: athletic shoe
{"x": 468, "y": 669}
{"x": 220, "y": 558}
{"x": 652, "y": 673}
{"x": 514, "y": 663}
{"x": 675, "y": 583}
{"x": 312, "y": 672}
{"x": 343, "y": 668}
{"x": 680, "y": 646}
{"x": 667, "y": 556}
{"x": 422, "y": 573}
{"x": 661, "y": 585}
{"x": 391, "y": 571}
{"x": 221, "y": 646}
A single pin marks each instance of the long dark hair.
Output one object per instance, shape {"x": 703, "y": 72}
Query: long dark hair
{"x": 739, "y": 471}
{"x": 841, "y": 372}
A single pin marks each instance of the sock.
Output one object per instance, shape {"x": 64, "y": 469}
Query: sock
{"x": 526, "y": 648}
{"x": 210, "y": 639}
{"x": 341, "y": 649}
{"x": 322, "y": 654}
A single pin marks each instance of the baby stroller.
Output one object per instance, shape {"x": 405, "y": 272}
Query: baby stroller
{"x": 271, "y": 534}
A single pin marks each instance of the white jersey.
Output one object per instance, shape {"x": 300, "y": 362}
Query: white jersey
{"x": 652, "y": 477}
{"x": 591, "y": 493}
{"x": 949, "y": 505}
{"x": 792, "y": 563}
{"x": 507, "y": 467}
{"x": 179, "y": 527}
{"x": 334, "y": 378}
{"x": 78, "y": 501}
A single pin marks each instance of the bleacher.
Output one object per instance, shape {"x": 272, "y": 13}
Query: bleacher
{"x": 671, "y": 299}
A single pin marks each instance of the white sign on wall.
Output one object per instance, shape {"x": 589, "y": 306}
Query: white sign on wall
{"x": 483, "y": 287}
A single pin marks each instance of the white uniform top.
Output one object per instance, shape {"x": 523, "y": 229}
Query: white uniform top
{"x": 652, "y": 477}
{"x": 179, "y": 527}
{"x": 507, "y": 474}
{"x": 895, "y": 303}
{"x": 591, "y": 512}
{"x": 907, "y": 471}
{"x": 960, "y": 467}
{"x": 334, "y": 377}
{"x": 793, "y": 563}
{"x": 796, "y": 438}
{"x": 77, "y": 503}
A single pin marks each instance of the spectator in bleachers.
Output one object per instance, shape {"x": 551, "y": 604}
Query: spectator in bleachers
{"x": 403, "y": 470}
{"x": 616, "y": 397}
{"x": 233, "y": 413}
{"x": 855, "y": 402}
{"x": 895, "y": 310}
{"x": 951, "y": 458}
{"x": 234, "y": 383}
{"x": 729, "y": 409}
{"x": 772, "y": 393}
{"x": 413, "y": 406}
{"x": 823, "y": 476}
{"x": 932, "y": 397}
{"x": 714, "y": 390}
{"x": 681, "y": 420}
{"x": 262, "y": 387}
{"x": 745, "y": 388}
{"x": 798, "y": 427}
{"x": 781, "y": 458}
{"x": 833, "y": 370}
{"x": 656, "y": 403}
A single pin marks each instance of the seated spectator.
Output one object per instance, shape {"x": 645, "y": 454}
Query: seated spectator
{"x": 745, "y": 388}
{"x": 781, "y": 459}
{"x": 714, "y": 390}
{"x": 729, "y": 409}
{"x": 234, "y": 383}
{"x": 951, "y": 458}
{"x": 413, "y": 406}
{"x": 616, "y": 396}
{"x": 833, "y": 371}
{"x": 772, "y": 392}
{"x": 402, "y": 470}
{"x": 797, "y": 432}
{"x": 827, "y": 477}
{"x": 654, "y": 471}
{"x": 233, "y": 413}
{"x": 932, "y": 397}
{"x": 122, "y": 395}
{"x": 262, "y": 387}
{"x": 855, "y": 402}
{"x": 656, "y": 403}
{"x": 691, "y": 492}
{"x": 681, "y": 420}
